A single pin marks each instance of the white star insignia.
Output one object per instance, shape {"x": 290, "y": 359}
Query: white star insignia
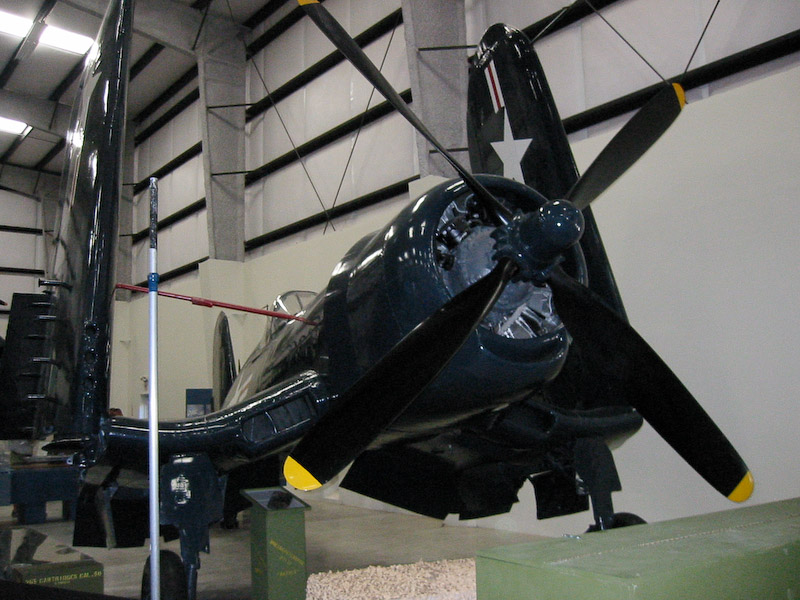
{"x": 511, "y": 152}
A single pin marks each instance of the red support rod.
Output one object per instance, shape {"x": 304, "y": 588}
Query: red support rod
{"x": 211, "y": 303}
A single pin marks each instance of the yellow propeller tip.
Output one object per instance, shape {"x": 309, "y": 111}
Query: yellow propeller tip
{"x": 680, "y": 93}
{"x": 304, "y": 2}
{"x": 744, "y": 490}
{"x": 298, "y": 477}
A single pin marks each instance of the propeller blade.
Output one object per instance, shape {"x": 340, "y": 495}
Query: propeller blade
{"x": 630, "y": 143}
{"x": 351, "y": 50}
{"x": 637, "y": 376}
{"x": 388, "y": 388}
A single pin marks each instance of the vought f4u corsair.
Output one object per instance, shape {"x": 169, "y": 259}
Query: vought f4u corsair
{"x": 476, "y": 342}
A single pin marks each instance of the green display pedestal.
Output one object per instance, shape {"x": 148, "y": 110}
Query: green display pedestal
{"x": 29, "y": 556}
{"x": 277, "y": 544}
{"x": 740, "y": 554}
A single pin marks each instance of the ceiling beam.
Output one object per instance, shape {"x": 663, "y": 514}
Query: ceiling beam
{"x": 166, "y": 22}
{"x": 29, "y": 182}
{"x": 28, "y": 43}
{"x": 45, "y": 115}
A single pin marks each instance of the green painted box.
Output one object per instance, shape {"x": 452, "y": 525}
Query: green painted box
{"x": 29, "y": 556}
{"x": 747, "y": 553}
{"x": 277, "y": 544}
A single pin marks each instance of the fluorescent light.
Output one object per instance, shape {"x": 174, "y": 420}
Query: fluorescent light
{"x": 14, "y": 25}
{"x": 65, "y": 40}
{"x": 51, "y": 36}
{"x": 12, "y": 126}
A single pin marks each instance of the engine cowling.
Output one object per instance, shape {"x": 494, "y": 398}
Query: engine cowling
{"x": 391, "y": 281}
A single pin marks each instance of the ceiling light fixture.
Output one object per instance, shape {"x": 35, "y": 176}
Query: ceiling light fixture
{"x": 14, "y": 25}
{"x": 54, "y": 37}
{"x": 65, "y": 40}
{"x": 13, "y": 126}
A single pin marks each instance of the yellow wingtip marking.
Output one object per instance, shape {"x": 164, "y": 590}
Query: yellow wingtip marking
{"x": 680, "y": 93}
{"x": 297, "y": 476}
{"x": 744, "y": 490}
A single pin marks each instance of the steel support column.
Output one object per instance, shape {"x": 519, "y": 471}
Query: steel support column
{"x": 438, "y": 77}
{"x": 222, "y": 68}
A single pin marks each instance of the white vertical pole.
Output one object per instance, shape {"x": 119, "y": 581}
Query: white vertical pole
{"x": 152, "y": 285}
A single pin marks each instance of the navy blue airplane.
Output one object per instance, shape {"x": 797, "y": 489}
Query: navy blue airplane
{"x": 476, "y": 342}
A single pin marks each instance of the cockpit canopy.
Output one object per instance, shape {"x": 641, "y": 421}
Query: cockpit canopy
{"x": 293, "y": 302}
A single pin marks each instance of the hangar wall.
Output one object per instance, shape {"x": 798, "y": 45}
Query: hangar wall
{"x": 283, "y": 195}
{"x": 23, "y": 253}
{"x": 701, "y": 233}
{"x": 722, "y": 319}
{"x": 700, "y": 271}
{"x": 586, "y": 62}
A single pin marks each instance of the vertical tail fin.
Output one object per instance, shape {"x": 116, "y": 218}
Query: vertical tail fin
{"x": 74, "y": 396}
{"x": 510, "y": 106}
{"x": 224, "y": 363}
{"x": 514, "y": 130}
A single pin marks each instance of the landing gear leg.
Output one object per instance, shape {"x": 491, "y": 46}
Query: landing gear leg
{"x": 595, "y": 467}
{"x": 191, "y": 500}
{"x": 194, "y": 538}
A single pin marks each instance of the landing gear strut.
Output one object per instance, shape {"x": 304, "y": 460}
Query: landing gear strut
{"x": 598, "y": 477}
{"x": 191, "y": 500}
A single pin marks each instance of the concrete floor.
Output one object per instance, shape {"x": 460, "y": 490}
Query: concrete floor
{"x": 338, "y": 537}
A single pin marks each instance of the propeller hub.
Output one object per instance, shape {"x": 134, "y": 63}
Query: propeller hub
{"x": 536, "y": 241}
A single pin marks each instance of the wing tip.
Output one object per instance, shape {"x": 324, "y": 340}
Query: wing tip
{"x": 298, "y": 477}
{"x": 744, "y": 489}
